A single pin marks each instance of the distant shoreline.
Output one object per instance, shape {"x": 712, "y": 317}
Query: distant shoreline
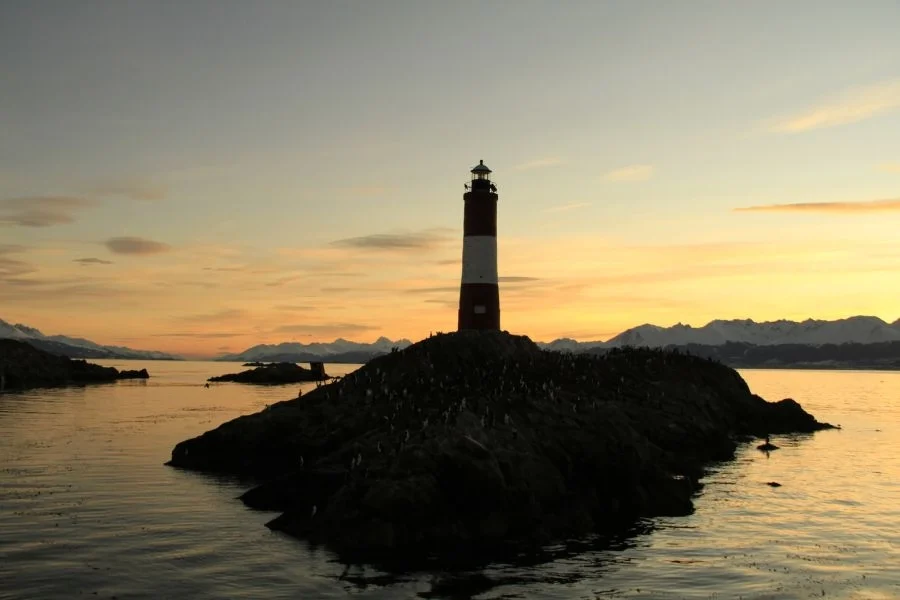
{"x": 783, "y": 367}
{"x": 801, "y": 367}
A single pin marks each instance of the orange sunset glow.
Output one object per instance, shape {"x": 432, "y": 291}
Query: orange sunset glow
{"x": 308, "y": 187}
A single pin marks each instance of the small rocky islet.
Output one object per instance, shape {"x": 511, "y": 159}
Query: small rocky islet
{"x": 479, "y": 440}
{"x": 23, "y": 366}
{"x": 276, "y": 374}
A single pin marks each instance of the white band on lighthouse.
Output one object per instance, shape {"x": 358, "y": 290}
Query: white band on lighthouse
{"x": 479, "y": 259}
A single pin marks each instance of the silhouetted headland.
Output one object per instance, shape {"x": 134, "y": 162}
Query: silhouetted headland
{"x": 24, "y": 366}
{"x": 481, "y": 439}
{"x": 276, "y": 373}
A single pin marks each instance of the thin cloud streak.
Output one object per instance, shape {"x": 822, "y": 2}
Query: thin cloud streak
{"x": 424, "y": 240}
{"x": 198, "y": 335}
{"x": 433, "y": 290}
{"x": 630, "y": 173}
{"x": 338, "y": 329}
{"x": 854, "y": 105}
{"x": 41, "y": 211}
{"x": 539, "y": 163}
{"x": 135, "y": 246}
{"x": 228, "y": 314}
{"x": 92, "y": 261}
{"x": 864, "y": 206}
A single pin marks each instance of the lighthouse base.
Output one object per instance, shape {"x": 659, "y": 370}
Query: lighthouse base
{"x": 479, "y": 306}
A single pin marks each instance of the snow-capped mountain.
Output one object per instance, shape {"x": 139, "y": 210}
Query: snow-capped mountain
{"x": 568, "y": 345}
{"x": 301, "y": 352}
{"x": 864, "y": 330}
{"x": 75, "y": 347}
{"x": 860, "y": 330}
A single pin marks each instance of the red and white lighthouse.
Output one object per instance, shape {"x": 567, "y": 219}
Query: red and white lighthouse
{"x": 479, "y": 293}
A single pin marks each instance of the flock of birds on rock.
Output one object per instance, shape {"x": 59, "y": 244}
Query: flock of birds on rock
{"x": 405, "y": 397}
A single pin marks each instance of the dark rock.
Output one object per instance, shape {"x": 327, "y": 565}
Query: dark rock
{"x": 142, "y": 374}
{"x": 275, "y": 373}
{"x": 24, "y": 366}
{"x": 480, "y": 439}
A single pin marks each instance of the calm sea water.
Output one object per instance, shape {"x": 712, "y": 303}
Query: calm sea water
{"x": 88, "y": 509}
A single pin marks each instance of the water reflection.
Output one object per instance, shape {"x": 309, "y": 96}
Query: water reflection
{"x": 87, "y": 508}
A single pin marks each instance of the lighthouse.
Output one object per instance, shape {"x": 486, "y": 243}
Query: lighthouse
{"x": 479, "y": 294}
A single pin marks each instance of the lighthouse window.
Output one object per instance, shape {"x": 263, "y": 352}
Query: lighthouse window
{"x": 480, "y": 309}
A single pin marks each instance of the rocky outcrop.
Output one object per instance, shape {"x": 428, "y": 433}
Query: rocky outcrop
{"x": 134, "y": 374}
{"x": 275, "y": 373}
{"x": 479, "y": 439}
{"x": 24, "y": 366}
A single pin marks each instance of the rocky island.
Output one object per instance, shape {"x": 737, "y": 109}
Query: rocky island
{"x": 277, "y": 373}
{"x": 479, "y": 439}
{"x": 24, "y": 366}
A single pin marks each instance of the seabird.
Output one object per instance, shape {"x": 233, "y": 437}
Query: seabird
{"x": 767, "y": 446}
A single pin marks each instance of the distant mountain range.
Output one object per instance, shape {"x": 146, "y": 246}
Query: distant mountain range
{"x": 338, "y": 351}
{"x": 861, "y": 341}
{"x": 857, "y": 330}
{"x": 809, "y": 333}
{"x": 75, "y": 347}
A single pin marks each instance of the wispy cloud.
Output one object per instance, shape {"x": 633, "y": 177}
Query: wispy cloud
{"x": 92, "y": 261}
{"x": 227, "y": 269}
{"x": 133, "y": 187}
{"x": 864, "y": 206}
{"x": 327, "y": 329}
{"x": 428, "y": 239}
{"x": 517, "y": 279}
{"x": 433, "y": 290}
{"x": 443, "y": 302}
{"x": 198, "y": 335}
{"x": 566, "y": 207}
{"x": 41, "y": 211}
{"x": 227, "y": 314}
{"x": 539, "y": 163}
{"x": 630, "y": 173}
{"x": 135, "y": 245}
{"x": 889, "y": 167}
{"x": 854, "y": 105}
{"x": 295, "y": 307}
{"x": 11, "y": 268}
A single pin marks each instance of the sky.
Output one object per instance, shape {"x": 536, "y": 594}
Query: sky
{"x": 202, "y": 176}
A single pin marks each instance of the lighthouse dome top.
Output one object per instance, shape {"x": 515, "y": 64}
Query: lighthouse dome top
{"x": 481, "y": 168}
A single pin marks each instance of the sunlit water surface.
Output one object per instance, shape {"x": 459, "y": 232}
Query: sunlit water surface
{"x": 87, "y": 507}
